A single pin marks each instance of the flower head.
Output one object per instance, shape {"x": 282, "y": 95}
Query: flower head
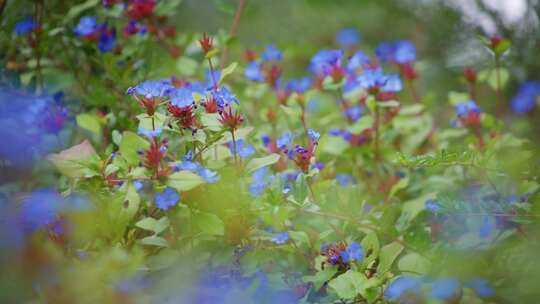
{"x": 348, "y": 37}
{"x": 260, "y": 180}
{"x": 280, "y": 238}
{"x": 357, "y": 60}
{"x": 402, "y": 286}
{"x": 87, "y": 26}
{"x": 353, "y": 252}
{"x": 526, "y": 97}
{"x": 313, "y": 136}
{"x": 206, "y": 43}
{"x": 242, "y": 149}
{"x": 138, "y": 9}
{"x": 481, "y": 287}
{"x": 271, "y": 54}
{"x": 25, "y": 26}
{"x": 254, "y": 72}
{"x": 446, "y": 289}
{"x": 166, "y": 199}
{"x": 107, "y": 39}
{"x": 326, "y": 62}
{"x": 299, "y": 86}
{"x": 283, "y": 141}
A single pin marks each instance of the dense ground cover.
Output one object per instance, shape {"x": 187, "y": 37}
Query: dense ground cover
{"x": 145, "y": 164}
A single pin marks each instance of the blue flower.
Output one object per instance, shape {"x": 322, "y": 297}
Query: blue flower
{"x": 405, "y": 52}
{"x": 280, "y": 237}
{"x": 481, "y": 287}
{"x": 392, "y": 83}
{"x": 166, "y": 199}
{"x": 181, "y": 97}
{"x": 284, "y": 140}
{"x": 224, "y": 97}
{"x": 107, "y": 40}
{"x": 260, "y": 179}
{"x": 299, "y": 85}
{"x": 526, "y": 97}
{"x": 41, "y": 208}
{"x": 464, "y": 108}
{"x": 87, "y": 26}
{"x": 266, "y": 140}
{"x": 348, "y": 37}
{"x": 271, "y": 54}
{"x": 445, "y": 289}
{"x": 344, "y": 179}
{"x": 208, "y": 175}
{"x": 25, "y": 26}
{"x": 385, "y": 51}
{"x": 138, "y": 185}
{"x": 149, "y": 133}
{"x": 314, "y": 135}
{"x": 242, "y": 149}
{"x": 432, "y": 205}
{"x": 188, "y": 156}
{"x": 325, "y": 61}
{"x": 357, "y": 60}
{"x": 486, "y": 228}
{"x": 254, "y": 72}
{"x": 211, "y": 76}
{"x": 354, "y": 252}
{"x": 354, "y": 112}
{"x": 402, "y": 285}
{"x": 152, "y": 88}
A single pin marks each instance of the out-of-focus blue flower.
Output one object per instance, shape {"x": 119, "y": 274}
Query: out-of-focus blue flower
{"x": 266, "y": 140}
{"x": 445, "y": 288}
{"x": 280, "y": 237}
{"x": 107, "y": 40}
{"x": 464, "y": 108}
{"x": 314, "y": 135}
{"x": 344, "y": 179}
{"x": 206, "y": 174}
{"x": 242, "y": 149}
{"x": 285, "y": 140}
{"x": 526, "y": 97}
{"x": 188, "y": 156}
{"x": 401, "y": 286}
{"x": 348, "y": 37}
{"x": 432, "y": 205}
{"x": 271, "y": 54}
{"x": 260, "y": 179}
{"x": 181, "y": 97}
{"x": 211, "y": 76}
{"x": 392, "y": 83}
{"x": 318, "y": 165}
{"x": 138, "y": 185}
{"x": 405, "y": 52}
{"x": 87, "y": 26}
{"x": 357, "y": 60}
{"x": 41, "y": 208}
{"x": 149, "y": 133}
{"x": 25, "y": 26}
{"x": 224, "y": 97}
{"x": 353, "y": 252}
{"x": 152, "y": 88}
{"x": 385, "y": 51}
{"x": 325, "y": 61}
{"x": 166, "y": 199}
{"x": 486, "y": 228}
{"x": 299, "y": 86}
{"x": 481, "y": 287}
{"x": 354, "y": 112}
{"x": 254, "y": 72}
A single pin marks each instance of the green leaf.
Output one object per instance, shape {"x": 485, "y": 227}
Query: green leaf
{"x": 388, "y": 255}
{"x": 321, "y": 277}
{"x": 371, "y": 243}
{"x": 78, "y": 161}
{"x": 211, "y": 53}
{"x": 334, "y": 145}
{"x": 211, "y": 121}
{"x": 414, "y": 262}
{"x": 490, "y": 76}
{"x": 457, "y": 97}
{"x": 365, "y": 122}
{"x": 502, "y": 47}
{"x": 151, "y": 224}
{"x": 209, "y": 223}
{"x": 186, "y": 66}
{"x": 412, "y": 109}
{"x": 116, "y": 137}
{"x": 129, "y": 145}
{"x": 348, "y": 285}
{"x": 388, "y": 104}
{"x": 402, "y": 184}
{"x": 227, "y": 71}
{"x": 292, "y": 111}
{"x": 166, "y": 8}
{"x": 154, "y": 241}
{"x": 184, "y": 180}
{"x": 76, "y": 10}
{"x": 300, "y": 238}
{"x": 258, "y": 163}
{"x": 89, "y": 122}
{"x": 145, "y": 121}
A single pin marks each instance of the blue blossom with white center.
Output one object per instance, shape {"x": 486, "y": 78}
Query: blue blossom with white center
{"x": 354, "y": 112}
{"x": 299, "y": 86}
{"x": 25, "y": 26}
{"x": 260, "y": 180}
{"x": 152, "y": 88}
{"x": 242, "y": 149}
{"x": 353, "y": 252}
{"x": 149, "y": 133}
{"x": 401, "y": 286}
{"x": 325, "y": 61}
{"x": 280, "y": 238}
{"x": 314, "y": 135}
{"x": 404, "y": 52}
{"x": 526, "y": 97}
{"x": 348, "y": 37}
{"x": 271, "y": 53}
{"x": 224, "y": 97}
{"x": 357, "y": 60}
{"x": 481, "y": 287}
{"x": 445, "y": 288}
{"x": 285, "y": 140}
{"x": 464, "y": 108}
{"x": 166, "y": 199}
{"x": 181, "y": 97}
{"x": 254, "y": 72}
{"x": 87, "y": 26}
{"x": 432, "y": 205}
{"x": 344, "y": 179}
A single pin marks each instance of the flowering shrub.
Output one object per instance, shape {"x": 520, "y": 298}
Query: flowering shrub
{"x": 225, "y": 180}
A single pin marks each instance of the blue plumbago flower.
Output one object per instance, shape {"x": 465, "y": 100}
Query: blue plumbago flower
{"x": 348, "y": 37}
{"x": 166, "y": 199}
{"x": 486, "y": 228}
{"x": 445, "y": 288}
{"x": 354, "y": 112}
{"x": 526, "y": 97}
{"x": 207, "y": 175}
{"x": 271, "y": 54}
{"x": 314, "y": 136}
{"x": 318, "y": 165}
{"x": 254, "y": 72}
{"x": 87, "y": 26}
{"x": 152, "y": 88}
{"x": 357, "y": 60}
{"x": 405, "y": 52}
{"x": 299, "y": 86}
{"x": 284, "y": 141}
{"x": 401, "y": 286}
{"x": 280, "y": 237}
{"x": 242, "y": 149}
{"x": 266, "y": 140}
{"x": 188, "y": 156}
{"x": 481, "y": 287}
{"x": 25, "y": 26}
{"x": 344, "y": 179}
{"x": 107, "y": 39}
{"x": 392, "y": 83}
{"x": 432, "y": 205}
{"x": 325, "y": 61}
{"x": 181, "y": 97}
{"x": 375, "y": 78}
{"x": 464, "y": 108}
{"x": 138, "y": 185}
{"x": 354, "y": 252}
{"x": 149, "y": 133}
{"x": 41, "y": 208}
{"x": 385, "y": 51}
{"x": 224, "y": 97}
{"x": 260, "y": 179}
{"x": 210, "y": 77}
